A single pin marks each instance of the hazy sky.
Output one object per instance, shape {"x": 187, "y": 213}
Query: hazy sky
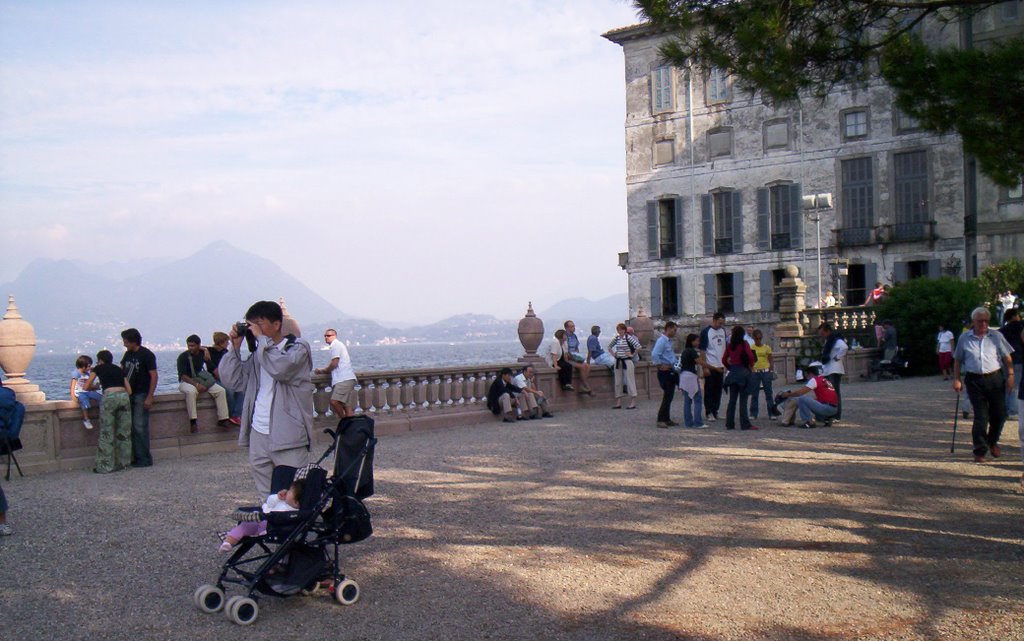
{"x": 405, "y": 159}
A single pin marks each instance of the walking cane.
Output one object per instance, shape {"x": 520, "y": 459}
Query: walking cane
{"x": 956, "y": 417}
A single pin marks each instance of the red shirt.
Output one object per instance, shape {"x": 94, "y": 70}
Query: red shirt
{"x": 735, "y": 355}
{"x": 823, "y": 390}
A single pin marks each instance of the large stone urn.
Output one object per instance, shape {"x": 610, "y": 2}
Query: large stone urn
{"x": 531, "y": 333}
{"x": 17, "y": 346}
{"x": 643, "y": 327}
{"x": 288, "y": 324}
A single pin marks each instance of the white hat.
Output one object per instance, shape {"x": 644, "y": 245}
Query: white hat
{"x": 817, "y": 364}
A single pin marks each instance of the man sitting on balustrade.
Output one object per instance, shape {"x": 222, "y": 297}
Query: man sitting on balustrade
{"x": 503, "y": 396}
{"x": 572, "y": 356}
{"x": 533, "y": 397}
{"x": 194, "y": 379}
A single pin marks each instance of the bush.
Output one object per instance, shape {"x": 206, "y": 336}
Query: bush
{"x": 918, "y": 306}
{"x": 996, "y": 279}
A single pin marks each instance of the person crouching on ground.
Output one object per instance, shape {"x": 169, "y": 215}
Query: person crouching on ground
{"x": 981, "y": 355}
{"x": 822, "y": 405}
{"x": 501, "y": 397}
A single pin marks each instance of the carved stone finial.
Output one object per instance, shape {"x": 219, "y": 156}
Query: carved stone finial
{"x": 17, "y": 346}
{"x": 531, "y": 333}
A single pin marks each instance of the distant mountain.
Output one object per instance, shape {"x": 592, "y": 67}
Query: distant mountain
{"x": 585, "y": 312}
{"x": 76, "y": 306}
{"x": 73, "y": 305}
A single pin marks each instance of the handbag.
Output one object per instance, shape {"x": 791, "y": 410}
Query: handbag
{"x": 202, "y": 377}
{"x": 737, "y": 375}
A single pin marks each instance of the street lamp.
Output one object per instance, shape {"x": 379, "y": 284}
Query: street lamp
{"x": 815, "y": 205}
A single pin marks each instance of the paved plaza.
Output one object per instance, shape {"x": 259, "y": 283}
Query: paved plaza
{"x": 591, "y": 526}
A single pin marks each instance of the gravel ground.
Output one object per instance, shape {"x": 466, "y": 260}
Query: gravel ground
{"x": 593, "y": 525}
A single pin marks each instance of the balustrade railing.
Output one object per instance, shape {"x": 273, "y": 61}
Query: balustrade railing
{"x": 414, "y": 391}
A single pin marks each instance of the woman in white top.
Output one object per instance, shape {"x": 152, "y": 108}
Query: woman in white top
{"x": 944, "y": 348}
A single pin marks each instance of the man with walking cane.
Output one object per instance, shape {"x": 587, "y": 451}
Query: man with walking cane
{"x": 981, "y": 354}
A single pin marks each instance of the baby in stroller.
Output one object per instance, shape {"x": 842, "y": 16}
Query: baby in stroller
{"x": 284, "y": 501}
{"x": 290, "y": 545}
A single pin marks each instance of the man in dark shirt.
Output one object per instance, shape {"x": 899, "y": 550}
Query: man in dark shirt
{"x": 501, "y": 397}
{"x": 194, "y": 379}
{"x": 1012, "y": 329}
{"x": 139, "y": 365}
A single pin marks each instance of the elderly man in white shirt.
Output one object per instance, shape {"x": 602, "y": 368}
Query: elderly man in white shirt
{"x": 981, "y": 354}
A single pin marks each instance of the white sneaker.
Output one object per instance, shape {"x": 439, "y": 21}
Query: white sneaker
{"x": 710, "y": 418}
{"x": 5, "y": 530}
{"x": 87, "y": 423}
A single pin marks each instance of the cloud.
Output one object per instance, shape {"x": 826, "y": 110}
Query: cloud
{"x": 439, "y": 139}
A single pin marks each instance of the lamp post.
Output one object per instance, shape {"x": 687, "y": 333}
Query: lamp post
{"x": 815, "y": 205}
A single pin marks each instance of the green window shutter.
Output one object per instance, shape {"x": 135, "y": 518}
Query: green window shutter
{"x": 899, "y": 272}
{"x": 652, "y": 230}
{"x": 737, "y": 222}
{"x": 710, "y": 294}
{"x": 764, "y": 240}
{"x": 707, "y": 224}
{"x": 679, "y": 294}
{"x": 796, "y": 233}
{"x": 656, "y": 297}
{"x": 737, "y": 292}
{"x": 679, "y": 227}
{"x": 767, "y": 290}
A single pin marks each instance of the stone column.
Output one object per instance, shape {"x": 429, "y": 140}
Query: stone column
{"x": 531, "y": 333}
{"x": 792, "y": 293}
{"x": 17, "y": 346}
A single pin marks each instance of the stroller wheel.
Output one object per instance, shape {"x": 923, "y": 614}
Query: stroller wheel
{"x": 346, "y": 591}
{"x": 243, "y": 610}
{"x": 208, "y": 598}
{"x": 229, "y": 604}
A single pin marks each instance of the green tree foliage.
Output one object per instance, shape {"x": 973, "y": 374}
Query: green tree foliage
{"x": 916, "y": 308}
{"x": 789, "y": 48}
{"x": 996, "y": 279}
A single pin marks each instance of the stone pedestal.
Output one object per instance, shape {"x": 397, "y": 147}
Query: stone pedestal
{"x": 531, "y": 333}
{"x": 792, "y": 302}
{"x": 17, "y": 346}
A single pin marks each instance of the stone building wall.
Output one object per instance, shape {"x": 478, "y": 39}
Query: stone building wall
{"x": 800, "y": 145}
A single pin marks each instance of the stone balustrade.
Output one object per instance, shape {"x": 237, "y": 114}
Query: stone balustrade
{"x": 399, "y": 401}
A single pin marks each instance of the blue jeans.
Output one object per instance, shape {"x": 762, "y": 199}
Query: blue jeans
{"x": 693, "y": 409}
{"x": 140, "y": 432}
{"x": 86, "y": 396}
{"x": 810, "y": 408}
{"x": 235, "y": 400}
{"x": 762, "y": 380}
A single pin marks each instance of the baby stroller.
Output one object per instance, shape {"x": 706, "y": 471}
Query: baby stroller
{"x": 887, "y": 369}
{"x": 299, "y": 552}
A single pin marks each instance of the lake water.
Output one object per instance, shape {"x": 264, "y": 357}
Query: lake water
{"x": 52, "y": 372}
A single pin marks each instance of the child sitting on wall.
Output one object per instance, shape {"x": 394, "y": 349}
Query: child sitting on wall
{"x": 80, "y": 391}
